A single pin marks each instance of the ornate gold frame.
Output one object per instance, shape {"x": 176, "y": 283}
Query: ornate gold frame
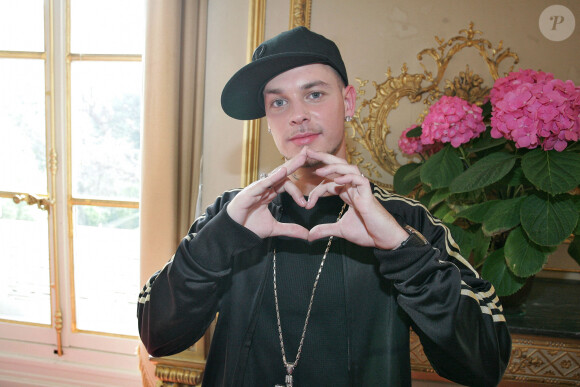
{"x": 370, "y": 125}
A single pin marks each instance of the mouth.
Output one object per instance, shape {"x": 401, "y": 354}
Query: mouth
{"x": 304, "y": 138}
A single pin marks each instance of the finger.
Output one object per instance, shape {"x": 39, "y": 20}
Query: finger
{"x": 326, "y": 158}
{"x": 338, "y": 169}
{"x": 295, "y": 162}
{"x": 290, "y": 230}
{"x": 294, "y": 192}
{"x": 319, "y": 191}
{"x": 273, "y": 179}
{"x": 357, "y": 181}
{"x": 324, "y": 230}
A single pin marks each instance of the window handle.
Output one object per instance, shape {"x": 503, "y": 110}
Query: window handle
{"x": 42, "y": 202}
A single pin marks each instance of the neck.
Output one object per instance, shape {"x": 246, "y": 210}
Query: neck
{"x": 306, "y": 179}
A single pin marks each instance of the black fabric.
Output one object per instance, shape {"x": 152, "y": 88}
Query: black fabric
{"x": 297, "y": 263}
{"x": 221, "y": 267}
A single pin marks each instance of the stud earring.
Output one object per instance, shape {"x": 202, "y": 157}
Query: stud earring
{"x": 269, "y": 130}
{"x": 348, "y": 118}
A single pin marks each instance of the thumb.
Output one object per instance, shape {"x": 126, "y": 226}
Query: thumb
{"x": 324, "y": 230}
{"x": 290, "y": 230}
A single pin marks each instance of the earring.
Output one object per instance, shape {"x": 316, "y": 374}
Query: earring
{"x": 348, "y": 118}
{"x": 269, "y": 130}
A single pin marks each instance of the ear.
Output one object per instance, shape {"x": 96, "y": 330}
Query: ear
{"x": 349, "y": 95}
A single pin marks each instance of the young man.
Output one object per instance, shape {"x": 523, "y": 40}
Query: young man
{"x": 317, "y": 275}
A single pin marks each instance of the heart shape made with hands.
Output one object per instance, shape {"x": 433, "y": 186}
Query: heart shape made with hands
{"x": 365, "y": 222}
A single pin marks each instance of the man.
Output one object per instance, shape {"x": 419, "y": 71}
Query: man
{"x": 317, "y": 274}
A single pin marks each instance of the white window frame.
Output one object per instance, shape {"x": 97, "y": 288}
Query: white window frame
{"x": 59, "y": 354}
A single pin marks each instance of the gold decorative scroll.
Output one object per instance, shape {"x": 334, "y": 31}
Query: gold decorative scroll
{"x": 300, "y": 11}
{"x": 43, "y": 203}
{"x": 370, "y": 126}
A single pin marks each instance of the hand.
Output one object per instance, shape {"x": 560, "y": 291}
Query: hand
{"x": 250, "y": 207}
{"x": 366, "y": 223}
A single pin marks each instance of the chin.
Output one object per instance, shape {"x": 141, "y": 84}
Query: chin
{"x": 310, "y": 163}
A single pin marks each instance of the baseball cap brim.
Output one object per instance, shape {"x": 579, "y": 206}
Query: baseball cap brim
{"x": 242, "y": 96}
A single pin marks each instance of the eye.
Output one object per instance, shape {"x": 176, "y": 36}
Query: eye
{"x": 315, "y": 95}
{"x": 278, "y": 103}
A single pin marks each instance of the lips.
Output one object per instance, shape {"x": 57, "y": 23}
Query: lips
{"x": 304, "y": 138}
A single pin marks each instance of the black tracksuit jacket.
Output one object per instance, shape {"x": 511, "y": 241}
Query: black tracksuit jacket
{"x": 221, "y": 267}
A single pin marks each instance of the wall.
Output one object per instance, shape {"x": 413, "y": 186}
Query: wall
{"x": 226, "y": 53}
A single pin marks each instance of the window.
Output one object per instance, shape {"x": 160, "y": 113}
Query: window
{"x": 70, "y": 114}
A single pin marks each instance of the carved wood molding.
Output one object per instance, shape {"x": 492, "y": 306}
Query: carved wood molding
{"x": 170, "y": 375}
{"x": 300, "y": 11}
{"x": 534, "y": 359}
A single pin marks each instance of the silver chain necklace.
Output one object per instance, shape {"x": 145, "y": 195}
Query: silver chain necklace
{"x": 291, "y": 366}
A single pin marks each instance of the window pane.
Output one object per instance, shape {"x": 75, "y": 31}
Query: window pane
{"x": 22, "y": 126}
{"x": 24, "y": 264}
{"x": 106, "y": 116}
{"x": 22, "y": 25}
{"x": 106, "y": 269}
{"x": 123, "y": 22}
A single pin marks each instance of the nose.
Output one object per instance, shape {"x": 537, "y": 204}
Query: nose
{"x": 299, "y": 114}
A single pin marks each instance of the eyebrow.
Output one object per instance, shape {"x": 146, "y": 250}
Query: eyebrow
{"x": 306, "y": 86}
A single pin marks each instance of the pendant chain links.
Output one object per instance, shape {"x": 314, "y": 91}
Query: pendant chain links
{"x": 291, "y": 366}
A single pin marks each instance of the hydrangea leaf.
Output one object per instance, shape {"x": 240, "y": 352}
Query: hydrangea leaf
{"x": 438, "y": 196}
{"x": 552, "y": 171}
{"x": 503, "y": 280}
{"x": 485, "y": 141}
{"x": 415, "y": 132}
{"x": 406, "y": 178}
{"x": 484, "y": 172}
{"x": 502, "y": 216}
{"x": 480, "y": 247}
{"x": 548, "y": 220}
{"x": 445, "y": 213}
{"x": 476, "y": 213}
{"x": 523, "y": 257}
{"x": 441, "y": 168}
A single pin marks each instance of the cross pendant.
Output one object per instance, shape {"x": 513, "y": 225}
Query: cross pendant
{"x": 288, "y": 382}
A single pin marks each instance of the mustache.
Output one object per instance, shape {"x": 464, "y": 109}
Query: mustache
{"x": 303, "y": 129}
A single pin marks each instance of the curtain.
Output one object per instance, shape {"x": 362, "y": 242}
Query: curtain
{"x": 174, "y": 68}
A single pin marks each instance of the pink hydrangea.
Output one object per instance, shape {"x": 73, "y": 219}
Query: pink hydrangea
{"x": 410, "y": 145}
{"x": 534, "y": 109}
{"x": 452, "y": 120}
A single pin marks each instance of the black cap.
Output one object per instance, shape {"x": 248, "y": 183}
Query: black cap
{"x": 242, "y": 96}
